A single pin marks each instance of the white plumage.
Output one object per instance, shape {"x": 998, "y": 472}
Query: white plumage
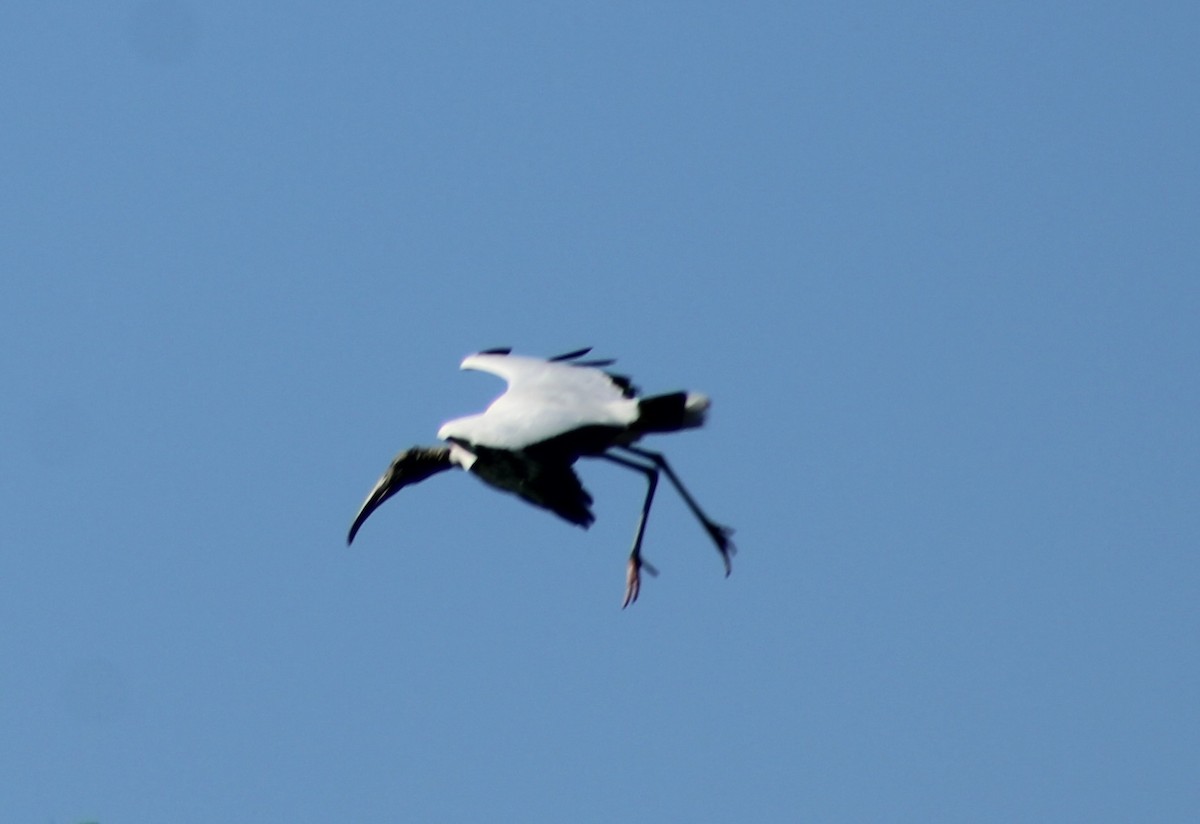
{"x": 553, "y": 413}
{"x": 544, "y": 399}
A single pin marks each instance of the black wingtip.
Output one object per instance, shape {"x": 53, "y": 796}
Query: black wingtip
{"x": 578, "y": 353}
{"x": 499, "y": 350}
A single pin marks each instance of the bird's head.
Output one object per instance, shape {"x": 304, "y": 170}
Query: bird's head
{"x": 409, "y": 467}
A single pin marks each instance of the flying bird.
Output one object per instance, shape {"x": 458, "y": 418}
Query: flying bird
{"x": 553, "y": 413}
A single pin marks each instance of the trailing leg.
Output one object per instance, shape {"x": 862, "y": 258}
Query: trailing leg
{"x": 719, "y": 534}
{"x": 633, "y": 578}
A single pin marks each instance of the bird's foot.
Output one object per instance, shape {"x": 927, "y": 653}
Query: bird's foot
{"x": 633, "y": 578}
{"x": 633, "y": 582}
{"x": 721, "y": 537}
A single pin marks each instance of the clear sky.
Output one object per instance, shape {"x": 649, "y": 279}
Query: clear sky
{"x": 937, "y": 264}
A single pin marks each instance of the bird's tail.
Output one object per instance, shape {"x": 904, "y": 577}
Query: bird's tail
{"x": 671, "y": 412}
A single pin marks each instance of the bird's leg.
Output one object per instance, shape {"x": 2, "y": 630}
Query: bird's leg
{"x": 633, "y": 578}
{"x": 719, "y": 534}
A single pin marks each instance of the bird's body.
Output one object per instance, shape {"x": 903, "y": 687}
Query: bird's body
{"x": 553, "y": 413}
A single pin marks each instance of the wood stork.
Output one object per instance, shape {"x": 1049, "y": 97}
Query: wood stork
{"x": 553, "y": 413}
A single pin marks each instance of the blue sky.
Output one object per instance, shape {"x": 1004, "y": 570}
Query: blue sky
{"x": 936, "y": 265}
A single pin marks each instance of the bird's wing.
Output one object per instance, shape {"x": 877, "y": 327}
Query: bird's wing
{"x": 549, "y": 379}
{"x": 549, "y": 484}
{"x": 544, "y": 400}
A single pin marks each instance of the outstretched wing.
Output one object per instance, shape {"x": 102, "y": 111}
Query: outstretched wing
{"x": 550, "y": 378}
{"x": 545, "y": 399}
